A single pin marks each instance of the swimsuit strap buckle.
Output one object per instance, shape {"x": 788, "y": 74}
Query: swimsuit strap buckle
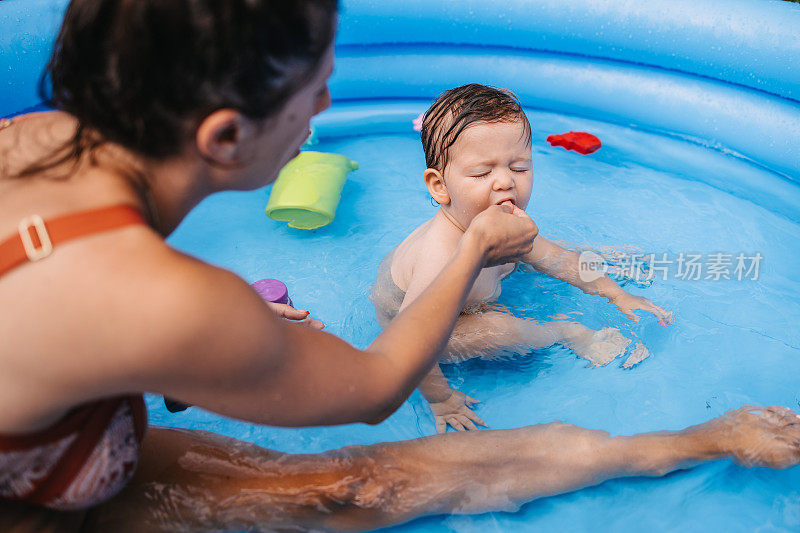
{"x": 45, "y": 244}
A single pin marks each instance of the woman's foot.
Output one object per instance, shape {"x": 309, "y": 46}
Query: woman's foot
{"x": 758, "y": 436}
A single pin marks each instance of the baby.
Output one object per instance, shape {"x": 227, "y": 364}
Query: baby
{"x": 477, "y": 143}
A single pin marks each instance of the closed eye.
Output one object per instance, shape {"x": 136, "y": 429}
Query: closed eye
{"x": 481, "y": 175}
{"x": 520, "y": 169}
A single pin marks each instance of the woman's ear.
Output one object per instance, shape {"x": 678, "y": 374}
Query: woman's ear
{"x": 435, "y": 183}
{"x": 223, "y": 136}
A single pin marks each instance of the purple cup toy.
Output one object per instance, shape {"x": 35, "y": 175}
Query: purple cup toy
{"x": 272, "y": 290}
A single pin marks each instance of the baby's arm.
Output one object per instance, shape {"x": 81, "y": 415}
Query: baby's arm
{"x": 449, "y": 406}
{"x": 551, "y": 259}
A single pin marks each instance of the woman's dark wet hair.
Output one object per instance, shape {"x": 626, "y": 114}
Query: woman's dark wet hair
{"x": 144, "y": 73}
{"x": 458, "y": 108}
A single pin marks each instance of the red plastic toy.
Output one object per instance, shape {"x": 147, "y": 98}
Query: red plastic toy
{"x": 580, "y": 141}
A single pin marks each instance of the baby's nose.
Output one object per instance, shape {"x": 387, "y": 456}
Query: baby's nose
{"x": 503, "y": 181}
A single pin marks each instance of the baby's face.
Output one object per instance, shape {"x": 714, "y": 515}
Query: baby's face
{"x": 489, "y": 164}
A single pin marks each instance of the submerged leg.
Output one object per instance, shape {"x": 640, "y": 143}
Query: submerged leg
{"x": 16, "y": 517}
{"x": 489, "y": 333}
{"x": 198, "y": 481}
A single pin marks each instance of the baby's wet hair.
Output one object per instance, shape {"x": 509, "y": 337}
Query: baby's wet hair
{"x": 457, "y": 109}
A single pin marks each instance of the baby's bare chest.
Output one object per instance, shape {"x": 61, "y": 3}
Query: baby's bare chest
{"x": 487, "y": 285}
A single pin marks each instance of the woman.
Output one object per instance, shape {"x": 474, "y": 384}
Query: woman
{"x": 161, "y": 103}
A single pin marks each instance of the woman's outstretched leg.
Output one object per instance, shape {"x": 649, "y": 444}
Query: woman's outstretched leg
{"x": 199, "y": 481}
{"x": 16, "y": 517}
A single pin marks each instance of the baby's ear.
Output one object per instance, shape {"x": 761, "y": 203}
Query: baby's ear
{"x": 435, "y": 183}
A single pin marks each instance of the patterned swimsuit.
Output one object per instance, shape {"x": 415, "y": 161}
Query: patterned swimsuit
{"x": 92, "y": 452}
{"x": 82, "y": 460}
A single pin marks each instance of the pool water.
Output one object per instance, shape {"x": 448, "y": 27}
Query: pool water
{"x": 733, "y": 342}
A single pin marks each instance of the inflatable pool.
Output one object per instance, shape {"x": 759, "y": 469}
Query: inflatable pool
{"x": 698, "y": 109}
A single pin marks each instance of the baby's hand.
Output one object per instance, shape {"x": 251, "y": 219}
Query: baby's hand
{"x": 456, "y": 411}
{"x": 628, "y": 303}
{"x": 290, "y": 313}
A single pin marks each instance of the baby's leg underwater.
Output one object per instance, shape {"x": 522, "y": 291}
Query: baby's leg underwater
{"x": 495, "y": 333}
{"x": 490, "y": 332}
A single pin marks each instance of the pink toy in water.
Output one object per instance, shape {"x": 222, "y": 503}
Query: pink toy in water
{"x": 418, "y": 122}
{"x": 272, "y": 290}
{"x": 579, "y": 141}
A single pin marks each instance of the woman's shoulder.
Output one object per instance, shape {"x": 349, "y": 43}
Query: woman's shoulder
{"x": 26, "y": 139}
{"x": 94, "y": 323}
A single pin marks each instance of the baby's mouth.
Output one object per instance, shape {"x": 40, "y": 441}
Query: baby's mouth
{"x": 509, "y": 202}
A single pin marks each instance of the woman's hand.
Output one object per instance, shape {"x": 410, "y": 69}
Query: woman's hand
{"x": 505, "y": 234}
{"x": 628, "y": 303}
{"x": 290, "y": 313}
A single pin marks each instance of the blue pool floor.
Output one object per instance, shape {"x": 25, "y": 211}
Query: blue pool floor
{"x": 734, "y": 342}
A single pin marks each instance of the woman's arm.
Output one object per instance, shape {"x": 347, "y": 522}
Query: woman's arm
{"x": 230, "y": 354}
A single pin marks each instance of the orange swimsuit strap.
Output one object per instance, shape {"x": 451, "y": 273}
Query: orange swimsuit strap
{"x": 35, "y": 238}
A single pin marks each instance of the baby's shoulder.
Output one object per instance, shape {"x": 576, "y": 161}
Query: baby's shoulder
{"x": 427, "y": 246}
